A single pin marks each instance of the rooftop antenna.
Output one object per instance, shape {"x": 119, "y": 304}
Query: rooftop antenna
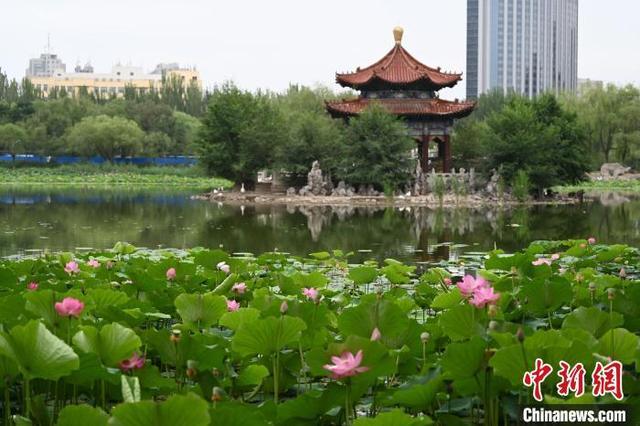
{"x": 48, "y": 43}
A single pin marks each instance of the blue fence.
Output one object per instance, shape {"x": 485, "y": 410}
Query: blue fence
{"x": 68, "y": 159}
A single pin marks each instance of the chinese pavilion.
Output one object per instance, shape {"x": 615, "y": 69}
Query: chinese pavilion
{"x": 409, "y": 89}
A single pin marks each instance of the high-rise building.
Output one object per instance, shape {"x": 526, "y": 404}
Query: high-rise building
{"x": 527, "y": 46}
{"x": 45, "y": 66}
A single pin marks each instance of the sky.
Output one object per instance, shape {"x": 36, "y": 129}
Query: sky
{"x": 270, "y": 44}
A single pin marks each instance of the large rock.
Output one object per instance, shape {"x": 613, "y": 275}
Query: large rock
{"x": 315, "y": 182}
{"x": 613, "y": 170}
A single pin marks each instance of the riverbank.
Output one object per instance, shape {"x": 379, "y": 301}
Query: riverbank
{"x": 101, "y": 176}
{"x": 624, "y": 185}
{"x": 238, "y": 198}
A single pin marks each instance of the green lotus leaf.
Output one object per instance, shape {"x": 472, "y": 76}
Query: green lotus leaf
{"x": 38, "y": 352}
{"x": 393, "y": 418}
{"x": 268, "y": 335}
{"x": 82, "y": 415}
{"x": 363, "y": 274}
{"x": 463, "y": 360}
{"x": 202, "y": 310}
{"x": 113, "y": 343}
{"x": 252, "y": 375}
{"x": 462, "y": 322}
{"x": 178, "y": 410}
{"x": 593, "y": 320}
{"x": 619, "y": 344}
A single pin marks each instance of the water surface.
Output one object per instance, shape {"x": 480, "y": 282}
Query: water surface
{"x": 37, "y": 219}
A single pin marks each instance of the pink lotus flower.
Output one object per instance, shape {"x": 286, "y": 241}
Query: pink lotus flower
{"x": 232, "y": 305}
{"x": 375, "y": 335}
{"x": 223, "y": 267}
{"x": 33, "y": 286}
{"x": 69, "y": 307}
{"x": 72, "y": 267}
{"x": 555, "y": 256}
{"x": 469, "y": 284}
{"x": 93, "y": 263}
{"x": 171, "y": 274}
{"x": 447, "y": 281}
{"x": 483, "y": 296}
{"x": 346, "y": 365}
{"x": 541, "y": 261}
{"x": 239, "y": 288}
{"x": 591, "y": 240}
{"x": 135, "y": 362}
{"x": 284, "y": 307}
{"x": 311, "y": 293}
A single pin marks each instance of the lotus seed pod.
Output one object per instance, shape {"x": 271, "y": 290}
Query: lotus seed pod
{"x": 592, "y": 287}
{"x": 611, "y": 293}
{"x": 520, "y": 334}
{"x": 492, "y": 311}
{"x": 175, "y": 336}
{"x": 425, "y": 337}
{"x": 215, "y": 372}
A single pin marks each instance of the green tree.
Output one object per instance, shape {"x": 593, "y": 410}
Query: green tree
{"x": 12, "y": 139}
{"x": 240, "y": 134}
{"x": 377, "y": 150}
{"x": 312, "y": 133}
{"x": 540, "y": 138}
{"x": 106, "y": 136}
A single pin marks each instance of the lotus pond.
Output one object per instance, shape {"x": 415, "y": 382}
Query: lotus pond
{"x": 202, "y": 337}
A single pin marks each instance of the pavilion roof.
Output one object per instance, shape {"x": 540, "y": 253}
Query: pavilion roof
{"x": 433, "y": 107}
{"x": 399, "y": 68}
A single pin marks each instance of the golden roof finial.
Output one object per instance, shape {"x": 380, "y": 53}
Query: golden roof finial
{"x": 397, "y": 34}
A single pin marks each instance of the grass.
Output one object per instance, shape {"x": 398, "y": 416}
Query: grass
{"x": 87, "y": 175}
{"x": 608, "y": 185}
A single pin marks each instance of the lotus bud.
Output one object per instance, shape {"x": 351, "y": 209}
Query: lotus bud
{"x": 622, "y": 274}
{"x": 520, "y": 334}
{"x": 424, "y": 336}
{"x": 611, "y": 293}
{"x": 514, "y": 270}
{"x": 375, "y": 335}
{"x": 216, "y": 394}
{"x": 192, "y": 368}
{"x": 284, "y": 307}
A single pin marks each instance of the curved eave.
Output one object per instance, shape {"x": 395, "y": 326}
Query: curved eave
{"x": 408, "y": 108}
{"x": 347, "y": 80}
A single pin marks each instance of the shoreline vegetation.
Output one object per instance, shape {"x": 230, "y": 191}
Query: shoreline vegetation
{"x": 84, "y": 175}
{"x": 624, "y": 185}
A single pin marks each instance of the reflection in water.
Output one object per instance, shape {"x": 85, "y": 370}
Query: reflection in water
{"x": 55, "y": 220}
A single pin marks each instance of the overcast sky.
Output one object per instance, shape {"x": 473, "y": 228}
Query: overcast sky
{"x": 269, "y": 44}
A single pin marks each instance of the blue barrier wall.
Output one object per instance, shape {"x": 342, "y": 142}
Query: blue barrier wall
{"x": 68, "y": 159}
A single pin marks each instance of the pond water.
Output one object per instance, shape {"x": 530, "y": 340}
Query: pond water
{"x": 33, "y": 220}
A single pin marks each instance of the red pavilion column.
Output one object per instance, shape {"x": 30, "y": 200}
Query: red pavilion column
{"x": 446, "y": 154}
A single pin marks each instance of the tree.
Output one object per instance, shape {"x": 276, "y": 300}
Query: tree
{"x": 312, "y": 133}
{"x": 377, "y": 150}
{"x": 12, "y": 139}
{"x": 240, "y": 134}
{"x": 540, "y": 138}
{"x": 106, "y": 136}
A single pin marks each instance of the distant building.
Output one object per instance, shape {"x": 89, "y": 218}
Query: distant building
{"x": 107, "y": 84}
{"x": 586, "y": 83}
{"x": 46, "y": 65}
{"x": 527, "y": 46}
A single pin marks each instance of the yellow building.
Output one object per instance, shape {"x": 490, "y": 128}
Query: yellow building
{"x": 115, "y": 82}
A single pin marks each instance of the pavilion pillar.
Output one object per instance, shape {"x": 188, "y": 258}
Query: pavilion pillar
{"x": 424, "y": 153}
{"x": 446, "y": 154}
